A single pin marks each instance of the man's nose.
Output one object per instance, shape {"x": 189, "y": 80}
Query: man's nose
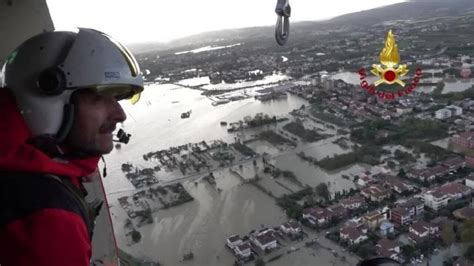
{"x": 117, "y": 112}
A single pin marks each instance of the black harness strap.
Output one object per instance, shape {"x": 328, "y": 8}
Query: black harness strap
{"x": 22, "y": 194}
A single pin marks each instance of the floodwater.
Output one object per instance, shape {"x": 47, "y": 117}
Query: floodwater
{"x": 202, "y": 226}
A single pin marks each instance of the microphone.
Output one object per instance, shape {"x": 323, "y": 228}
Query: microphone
{"x": 122, "y": 137}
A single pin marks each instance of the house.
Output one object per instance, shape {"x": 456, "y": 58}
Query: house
{"x": 398, "y": 185}
{"x": 338, "y": 211}
{"x": 387, "y": 228}
{"x": 291, "y": 228}
{"x": 353, "y": 203}
{"x": 388, "y": 249}
{"x": 401, "y": 216}
{"x": 317, "y": 216}
{"x": 470, "y": 181}
{"x": 364, "y": 181}
{"x": 440, "y": 196}
{"x": 233, "y": 241}
{"x": 465, "y": 139}
{"x": 421, "y": 231}
{"x": 354, "y": 235}
{"x": 428, "y": 174}
{"x": 374, "y": 219}
{"x": 455, "y": 110}
{"x": 243, "y": 250}
{"x": 405, "y": 212}
{"x": 461, "y": 261}
{"x": 375, "y": 193}
{"x": 454, "y": 163}
{"x": 265, "y": 240}
{"x": 443, "y": 113}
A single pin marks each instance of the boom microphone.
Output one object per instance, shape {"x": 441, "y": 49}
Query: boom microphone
{"x": 122, "y": 137}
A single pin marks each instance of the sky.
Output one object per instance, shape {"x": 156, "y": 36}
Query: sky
{"x": 162, "y": 21}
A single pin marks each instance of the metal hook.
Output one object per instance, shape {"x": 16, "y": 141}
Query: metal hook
{"x": 282, "y": 29}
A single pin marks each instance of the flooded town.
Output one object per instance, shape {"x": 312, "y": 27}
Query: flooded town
{"x": 280, "y": 157}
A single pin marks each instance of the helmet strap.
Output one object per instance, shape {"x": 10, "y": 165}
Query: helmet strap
{"x": 47, "y": 144}
{"x": 66, "y": 125}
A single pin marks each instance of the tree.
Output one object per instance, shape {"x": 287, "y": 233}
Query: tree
{"x": 448, "y": 235}
{"x": 136, "y": 236}
{"x": 408, "y": 251}
{"x": 259, "y": 262}
{"x": 470, "y": 253}
{"x": 467, "y": 233}
{"x": 323, "y": 191}
{"x": 401, "y": 173}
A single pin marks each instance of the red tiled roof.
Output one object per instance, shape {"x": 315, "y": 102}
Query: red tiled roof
{"x": 386, "y": 244}
{"x": 352, "y": 232}
{"x": 353, "y": 200}
{"x": 421, "y": 226}
{"x": 454, "y": 188}
{"x": 467, "y": 135}
{"x": 453, "y": 161}
{"x": 376, "y": 191}
{"x": 402, "y": 211}
{"x": 318, "y": 213}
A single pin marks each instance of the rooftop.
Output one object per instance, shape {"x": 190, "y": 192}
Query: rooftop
{"x": 265, "y": 238}
{"x": 421, "y": 226}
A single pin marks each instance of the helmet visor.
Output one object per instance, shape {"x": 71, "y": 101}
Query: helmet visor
{"x": 125, "y": 92}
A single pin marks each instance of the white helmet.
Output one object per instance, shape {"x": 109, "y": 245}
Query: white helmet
{"x": 45, "y": 70}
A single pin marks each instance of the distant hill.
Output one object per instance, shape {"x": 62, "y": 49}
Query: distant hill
{"x": 415, "y": 9}
{"x": 411, "y": 10}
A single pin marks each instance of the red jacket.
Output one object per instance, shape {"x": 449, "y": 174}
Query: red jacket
{"x": 47, "y": 235}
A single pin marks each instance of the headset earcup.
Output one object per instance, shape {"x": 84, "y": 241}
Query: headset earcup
{"x": 52, "y": 81}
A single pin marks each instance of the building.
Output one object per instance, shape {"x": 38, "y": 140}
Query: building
{"x": 243, "y": 251}
{"x": 265, "y": 240}
{"x": 375, "y": 193}
{"x": 440, "y": 196}
{"x": 461, "y": 261}
{"x": 428, "y": 174}
{"x": 454, "y": 163}
{"x": 401, "y": 216}
{"x": 470, "y": 181}
{"x": 443, "y": 113}
{"x": 465, "y": 139}
{"x": 364, "y": 181}
{"x": 387, "y": 228}
{"x": 374, "y": 219}
{"x": 455, "y": 110}
{"x": 405, "y": 212}
{"x": 291, "y": 228}
{"x": 353, "y": 235}
{"x": 398, "y": 186}
{"x": 338, "y": 211}
{"x": 388, "y": 249}
{"x": 421, "y": 231}
{"x": 317, "y": 216}
{"x": 353, "y": 203}
{"x": 234, "y": 241}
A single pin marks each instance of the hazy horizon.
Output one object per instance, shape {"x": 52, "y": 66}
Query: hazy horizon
{"x": 132, "y": 23}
